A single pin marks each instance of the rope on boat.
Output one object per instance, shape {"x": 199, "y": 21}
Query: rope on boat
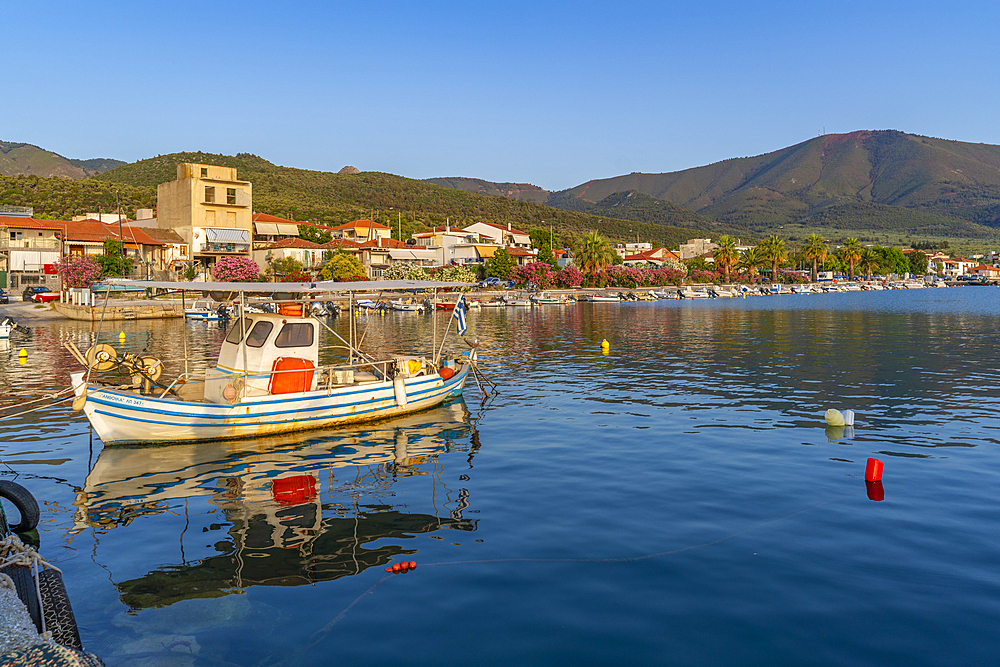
{"x": 47, "y": 397}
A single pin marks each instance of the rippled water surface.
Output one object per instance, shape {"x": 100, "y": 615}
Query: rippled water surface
{"x": 676, "y": 501}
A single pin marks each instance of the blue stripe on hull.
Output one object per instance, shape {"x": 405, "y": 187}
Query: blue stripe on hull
{"x": 119, "y": 424}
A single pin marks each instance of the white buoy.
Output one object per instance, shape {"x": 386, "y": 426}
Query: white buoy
{"x": 834, "y": 418}
{"x": 849, "y": 417}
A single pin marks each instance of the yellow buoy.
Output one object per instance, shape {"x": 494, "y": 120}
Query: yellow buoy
{"x": 121, "y": 337}
{"x": 605, "y": 346}
{"x": 22, "y": 353}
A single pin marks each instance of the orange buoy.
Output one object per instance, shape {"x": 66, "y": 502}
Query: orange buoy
{"x": 873, "y": 472}
{"x": 388, "y": 569}
{"x": 396, "y": 567}
{"x": 290, "y": 309}
{"x": 875, "y": 491}
{"x": 446, "y": 373}
{"x": 413, "y": 564}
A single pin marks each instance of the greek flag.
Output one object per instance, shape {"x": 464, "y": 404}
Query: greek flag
{"x": 460, "y": 315}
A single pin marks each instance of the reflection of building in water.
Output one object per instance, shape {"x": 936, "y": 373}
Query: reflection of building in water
{"x": 280, "y": 529}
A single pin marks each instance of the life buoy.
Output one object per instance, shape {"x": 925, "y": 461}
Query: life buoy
{"x": 25, "y": 503}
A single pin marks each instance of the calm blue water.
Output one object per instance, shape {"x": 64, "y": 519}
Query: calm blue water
{"x": 677, "y": 501}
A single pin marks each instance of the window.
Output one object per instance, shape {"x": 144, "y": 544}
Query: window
{"x": 204, "y": 172}
{"x": 15, "y": 236}
{"x": 209, "y": 218}
{"x": 237, "y": 332}
{"x": 258, "y": 335}
{"x": 230, "y": 195}
{"x": 299, "y": 334}
{"x": 209, "y": 194}
{"x": 231, "y": 218}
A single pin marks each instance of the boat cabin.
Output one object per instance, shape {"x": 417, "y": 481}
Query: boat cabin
{"x": 265, "y": 354}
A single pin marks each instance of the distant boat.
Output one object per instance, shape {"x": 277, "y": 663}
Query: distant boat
{"x": 601, "y": 298}
{"x": 689, "y": 293}
{"x": 6, "y": 326}
{"x": 542, "y": 298}
{"x": 406, "y": 306}
{"x": 201, "y": 310}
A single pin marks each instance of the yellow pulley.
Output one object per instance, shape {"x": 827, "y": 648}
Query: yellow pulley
{"x": 102, "y": 357}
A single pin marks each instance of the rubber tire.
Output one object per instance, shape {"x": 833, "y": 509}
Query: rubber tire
{"x": 59, "y": 618}
{"x": 24, "y": 502}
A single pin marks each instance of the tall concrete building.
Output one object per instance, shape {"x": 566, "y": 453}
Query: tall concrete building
{"x": 209, "y": 209}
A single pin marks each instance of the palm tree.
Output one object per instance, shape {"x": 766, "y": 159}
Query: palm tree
{"x": 750, "y": 260}
{"x": 594, "y": 253}
{"x": 726, "y": 254}
{"x": 814, "y": 250}
{"x": 870, "y": 262}
{"x": 851, "y": 253}
{"x": 773, "y": 250}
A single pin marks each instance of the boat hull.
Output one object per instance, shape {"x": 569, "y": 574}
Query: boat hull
{"x": 122, "y": 417}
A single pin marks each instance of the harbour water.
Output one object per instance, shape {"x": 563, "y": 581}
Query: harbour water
{"x": 676, "y": 501}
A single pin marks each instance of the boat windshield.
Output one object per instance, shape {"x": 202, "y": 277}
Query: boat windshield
{"x": 299, "y": 334}
{"x": 259, "y": 333}
{"x": 237, "y": 331}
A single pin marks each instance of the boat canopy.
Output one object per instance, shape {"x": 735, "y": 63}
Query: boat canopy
{"x": 268, "y": 289}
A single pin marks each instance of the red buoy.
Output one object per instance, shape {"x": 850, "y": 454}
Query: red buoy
{"x": 875, "y": 491}
{"x": 413, "y": 565}
{"x": 873, "y": 472}
{"x": 396, "y": 567}
{"x": 388, "y": 569}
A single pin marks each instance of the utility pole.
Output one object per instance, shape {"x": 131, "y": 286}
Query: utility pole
{"x": 121, "y": 238}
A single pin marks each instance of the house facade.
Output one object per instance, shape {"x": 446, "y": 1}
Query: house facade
{"x": 209, "y": 209}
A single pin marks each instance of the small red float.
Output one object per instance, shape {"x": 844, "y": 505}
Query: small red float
{"x": 413, "y": 564}
{"x": 396, "y": 567}
{"x": 875, "y": 491}
{"x": 873, "y": 472}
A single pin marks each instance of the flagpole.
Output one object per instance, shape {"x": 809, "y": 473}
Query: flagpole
{"x": 447, "y": 329}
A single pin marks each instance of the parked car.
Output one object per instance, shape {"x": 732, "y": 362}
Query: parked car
{"x": 31, "y": 293}
{"x": 4, "y": 297}
{"x": 493, "y": 281}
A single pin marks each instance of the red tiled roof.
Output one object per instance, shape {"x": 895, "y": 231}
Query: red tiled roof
{"x": 346, "y": 244}
{"x": 520, "y": 252}
{"x": 31, "y": 223}
{"x": 361, "y": 223}
{"x": 94, "y": 231}
{"x": 512, "y": 231}
{"x": 291, "y": 243}
{"x": 264, "y": 217}
{"x": 384, "y": 243}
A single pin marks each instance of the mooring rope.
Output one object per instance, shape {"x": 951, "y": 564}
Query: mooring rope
{"x": 40, "y": 407}
{"x": 15, "y": 552}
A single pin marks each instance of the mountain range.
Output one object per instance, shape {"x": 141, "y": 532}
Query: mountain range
{"x": 884, "y": 186}
{"x": 866, "y": 180}
{"x": 17, "y": 159}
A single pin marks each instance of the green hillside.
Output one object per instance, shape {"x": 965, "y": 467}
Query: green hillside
{"x": 949, "y": 181}
{"x": 18, "y": 158}
{"x": 516, "y": 191}
{"x": 58, "y": 198}
{"x": 332, "y": 199}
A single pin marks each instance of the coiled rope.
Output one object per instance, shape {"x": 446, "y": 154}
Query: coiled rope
{"x": 15, "y": 552}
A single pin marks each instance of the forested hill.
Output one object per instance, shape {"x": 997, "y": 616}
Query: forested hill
{"x": 18, "y": 158}
{"x": 331, "y": 198}
{"x": 948, "y": 179}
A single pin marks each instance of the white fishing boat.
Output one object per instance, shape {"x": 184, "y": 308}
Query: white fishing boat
{"x": 601, "y": 297}
{"x": 691, "y": 293}
{"x": 267, "y": 378}
{"x": 6, "y": 326}
{"x": 544, "y": 299}
{"x": 408, "y": 306}
{"x": 201, "y": 310}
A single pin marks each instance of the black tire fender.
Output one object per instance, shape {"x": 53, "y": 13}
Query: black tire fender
{"x": 25, "y": 503}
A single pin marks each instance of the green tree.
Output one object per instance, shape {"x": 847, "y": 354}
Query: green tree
{"x": 815, "y": 251}
{"x": 285, "y": 265}
{"x": 918, "y": 263}
{"x": 851, "y": 253}
{"x": 500, "y": 264}
{"x": 773, "y": 250}
{"x": 113, "y": 263}
{"x": 545, "y": 255}
{"x": 870, "y": 262}
{"x": 893, "y": 260}
{"x": 750, "y": 261}
{"x": 315, "y": 234}
{"x": 593, "y": 253}
{"x": 726, "y": 255}
{"x": 343, "y": 267}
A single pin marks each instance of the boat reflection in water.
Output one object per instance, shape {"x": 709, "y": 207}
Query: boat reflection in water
{"x": 283, "y": 528}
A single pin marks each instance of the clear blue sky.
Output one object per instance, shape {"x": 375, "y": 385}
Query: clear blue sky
{"x": 550, "y": 93}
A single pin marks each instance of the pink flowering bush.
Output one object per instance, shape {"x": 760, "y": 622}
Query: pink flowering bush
{"x": 78, "y": 270}
{"x": 570, "y": 277}
{"x": 700, "y": 276}
{"x": 233, "y": 269}
{"x": 538, "y": 273}
{"x": 794, "y": 277}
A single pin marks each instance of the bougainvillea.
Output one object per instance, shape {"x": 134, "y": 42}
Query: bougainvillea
{"x": 700, "y": 276}
{"x": 78, "y": 270}
{"x": 297, "y": 277}
{"x": 233, "y": 269}
{"x": 538, "y": 274}
{"x": 570, "y": 277}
